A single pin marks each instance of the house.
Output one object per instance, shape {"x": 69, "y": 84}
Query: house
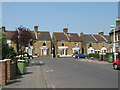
{"x": 8, "y": 35}
{"x": 66, "y": 44}
{"x": 95, "y": 43}
{"x": 117, "y": 36}
{"x": 40, "y": 44}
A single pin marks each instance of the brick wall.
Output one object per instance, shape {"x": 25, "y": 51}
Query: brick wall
{"x": 3, "y": 72}
{"x": 39, "y": 44}
{"x": 7, "y": 70}
{"x": 70, "y": 45}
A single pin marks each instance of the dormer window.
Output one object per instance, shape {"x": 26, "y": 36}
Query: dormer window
{"x": 44, "y": 43}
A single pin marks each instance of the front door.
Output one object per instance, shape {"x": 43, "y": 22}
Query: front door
{"x": 44, "y": 51}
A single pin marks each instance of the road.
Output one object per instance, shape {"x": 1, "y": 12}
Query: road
{"x": 67, "y": 73}
{"x": 75, "y": 73}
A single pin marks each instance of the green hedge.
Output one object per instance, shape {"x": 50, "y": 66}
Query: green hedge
{"x": 95, "y": 55}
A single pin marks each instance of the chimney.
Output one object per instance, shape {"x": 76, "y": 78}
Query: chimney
{"x": 118, "y": 21}
{"x": 36, "y": 28}
{"x": 65, "y": 30}
{"x": 3, "y": 28}
{"x": 81, "y": 34}
{"x": 101, "y": 32}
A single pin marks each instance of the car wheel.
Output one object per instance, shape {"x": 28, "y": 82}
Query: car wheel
{"x": 76, "y": 57}
{"x": 115, "y": 66}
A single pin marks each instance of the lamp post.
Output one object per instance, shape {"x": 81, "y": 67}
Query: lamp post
{"x": 114, "y": 44}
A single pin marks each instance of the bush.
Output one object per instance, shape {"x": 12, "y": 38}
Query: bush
{"x": 109, "y": 54}
{"x": 12, "y": 53}
{"x": 95, "y": 55}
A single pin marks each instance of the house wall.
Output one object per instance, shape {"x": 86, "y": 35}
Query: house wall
{"x": 39, "y": 44}
{"x": 70, "y": 45}
{"x": 96, "y": 46}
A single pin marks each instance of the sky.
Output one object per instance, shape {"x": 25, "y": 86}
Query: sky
{"x": 86, "y": 17}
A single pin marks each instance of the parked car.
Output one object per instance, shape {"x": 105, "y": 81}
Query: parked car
{"x": 116, "y": 64}
{"x": 80, "y": 56}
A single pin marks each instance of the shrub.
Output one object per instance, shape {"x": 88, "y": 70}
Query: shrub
{"x": 95, "y": 55}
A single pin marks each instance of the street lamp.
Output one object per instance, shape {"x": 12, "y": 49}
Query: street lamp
{"x": 114, "y": 44}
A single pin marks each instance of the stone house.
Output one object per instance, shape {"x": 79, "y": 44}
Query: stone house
{"x": 66, "y": 44}
{"x": 117, "y": 36}
{"x": 95, "y": 43}
{"x": 40, "y": 44}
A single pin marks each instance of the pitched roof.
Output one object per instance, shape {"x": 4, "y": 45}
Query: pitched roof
{"x": 100, "y": 38}
{"x": 88, "y": 38}
{"x": 44, "y": 36}
{"x": 60, "y": 36}
{"x": 95, "y": 38}
{"x": 40, "y": 35}
{"x": 66, "y": 37}
{"x": 107, "y": 37}
{"x": 9, "y": 34}
{"x": 73, "y": 37}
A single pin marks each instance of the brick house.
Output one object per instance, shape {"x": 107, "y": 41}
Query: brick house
{"x": 40, "y": 44}
{"x": 117, "y": 36}
{"x": 95, "y": 43}
{"x": 66, "y": 44}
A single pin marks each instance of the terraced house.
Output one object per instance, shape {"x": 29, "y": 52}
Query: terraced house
{"x": 40, "y": 45}
{"x": 95, "y": 43}
{"x": 117, "y": 36}
{"x": 66, "y": 44}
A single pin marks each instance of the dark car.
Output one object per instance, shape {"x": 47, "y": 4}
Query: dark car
{"x": 80, "y": 56}
{"x": 116, "y": 64}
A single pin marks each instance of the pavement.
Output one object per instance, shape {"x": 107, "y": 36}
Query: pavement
{"x": 67, "y": 73}
{"x": 33, "y": 78}
{"x": 94, "y": 61}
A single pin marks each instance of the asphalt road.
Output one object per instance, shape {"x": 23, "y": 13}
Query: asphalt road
{"x": 76, "y": 73}
{"x": 66, "y": 73}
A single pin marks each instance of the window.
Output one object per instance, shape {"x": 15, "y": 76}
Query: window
{"x": 9, "y": 42}
{"x": 103, "y": 44}
{"x": 63, "y": 44}
{"x": 75, "y": 44}
{"x": 90, "y": 45}
{"x": 118, "y": 37}
{"x": 91, "y": 51}
{"x": 63, "y": 52}
{"x": 44, "y": 43}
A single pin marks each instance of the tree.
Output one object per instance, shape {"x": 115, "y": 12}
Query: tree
{"x": 6, "y": 51}
{"x": 22, "y": 37}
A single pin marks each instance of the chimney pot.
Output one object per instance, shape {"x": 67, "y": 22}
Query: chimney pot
{"x": 36, "y": 28}
{"x": 65, "y": 30}
{"x": 3, "y": 28}
{"x": 101, "y": 32}
{"x": 81, "y": 34}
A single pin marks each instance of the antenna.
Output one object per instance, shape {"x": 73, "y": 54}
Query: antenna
{"x": 68, "y": 26}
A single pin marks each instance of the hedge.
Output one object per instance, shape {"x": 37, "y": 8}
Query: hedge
{"x": 95, "y": 55}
